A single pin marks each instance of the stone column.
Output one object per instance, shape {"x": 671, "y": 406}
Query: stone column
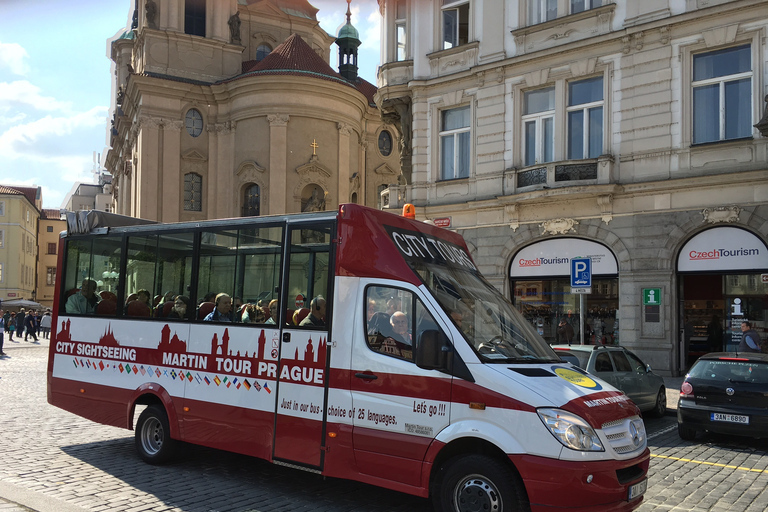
{"x": 278, "y": 161}
{"x": 362, "y": 196}
{"x": 170, "y": 193}
{"x": 147, "y": 169}
{"x": 344, "y": 172}
{"x": 211, "y": 176}
{"x": 227, "y": 200}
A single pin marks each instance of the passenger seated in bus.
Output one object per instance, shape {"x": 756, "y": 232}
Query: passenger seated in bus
{"x": 399, "y": 321}
{"x": 143, "y": 296}
{"x": 208, "y": 297}
{"x": 85, "y": 302}
{"x": 272, "y": 320}
{"x": 180, "y": 305}
{"x": 316, "y": 316}
{"x": 393, "y": 305}
{"x": 223, "y": 310}
{"x": 252, "y": 314}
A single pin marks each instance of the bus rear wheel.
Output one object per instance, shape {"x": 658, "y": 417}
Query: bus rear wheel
{"x": 474, "y": 483}
{"x": 153, "y": 436}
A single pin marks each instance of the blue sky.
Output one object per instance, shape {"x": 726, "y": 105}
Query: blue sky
{"x": 55, "y": 83}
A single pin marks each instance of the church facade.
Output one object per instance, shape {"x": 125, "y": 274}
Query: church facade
{"x": 228, "y": 109}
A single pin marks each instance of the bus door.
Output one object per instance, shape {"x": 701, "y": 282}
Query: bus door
{"x": 302, "y": 376}
{"x": 398, "y": 408}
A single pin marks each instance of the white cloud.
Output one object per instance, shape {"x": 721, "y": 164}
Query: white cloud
{"x": 371, "y": 33}
{"x": 22, "y": 93}
{"x": 13, "y": 56}
{"x": 50, "y": 136}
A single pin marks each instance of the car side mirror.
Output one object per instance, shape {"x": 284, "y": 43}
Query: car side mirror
{"x": 431, "y": 351}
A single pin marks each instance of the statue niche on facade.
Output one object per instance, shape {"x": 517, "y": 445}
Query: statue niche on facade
{"x": 234, "y": 28}
{"x": 151, "y": 11}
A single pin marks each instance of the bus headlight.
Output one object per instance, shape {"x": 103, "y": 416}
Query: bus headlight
{"x": 572, "y": 431}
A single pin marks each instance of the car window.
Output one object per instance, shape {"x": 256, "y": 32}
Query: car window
{"x": 576, "y": 358}
{"x": 743, "y": 371}
{"x": 620, "y": 360}
{"x": 603, "y": 363}
{"x": 636, "y": 362}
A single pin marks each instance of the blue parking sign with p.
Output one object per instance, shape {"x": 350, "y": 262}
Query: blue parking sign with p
{"x": 581, "y": 273}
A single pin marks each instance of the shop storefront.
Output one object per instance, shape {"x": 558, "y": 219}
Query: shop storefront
{"x": 541, "y": 289}
{"x": 723, "y": 281}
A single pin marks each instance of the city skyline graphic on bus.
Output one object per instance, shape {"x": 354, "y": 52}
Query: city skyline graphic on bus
{"x": 171, "y": 351}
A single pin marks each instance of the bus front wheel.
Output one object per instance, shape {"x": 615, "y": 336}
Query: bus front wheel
{"x": 476, "y": 482}
{"x": 153, "y": 436}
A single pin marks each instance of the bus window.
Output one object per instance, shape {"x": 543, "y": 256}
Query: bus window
{"x": 217, "y": 273}
{"x": 97, "y": 261}
{"x": 258, "y": 272}
{"x": 173, "y": 275}
{"x": 390, "y": 320}
{"x": 244, "y": 264}
{"x": 308, "y": 275}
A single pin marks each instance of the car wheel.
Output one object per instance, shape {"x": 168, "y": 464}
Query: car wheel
{"x": 660, "y": 408}
{"x": 475, "y": 482}
{"x": 686, "y": 433}
{"x": 153, "y": 436}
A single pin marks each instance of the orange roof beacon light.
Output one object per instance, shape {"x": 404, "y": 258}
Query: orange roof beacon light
{"x": 409, "y": 211}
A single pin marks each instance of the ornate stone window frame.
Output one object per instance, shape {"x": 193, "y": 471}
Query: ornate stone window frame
{"x": 717, "y": 38}
{"x": 579, "y": 70}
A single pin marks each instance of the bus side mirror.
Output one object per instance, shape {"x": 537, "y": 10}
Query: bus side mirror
{"x": 432, "y": 350}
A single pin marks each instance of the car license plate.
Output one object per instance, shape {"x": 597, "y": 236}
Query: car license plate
{"x": 730, "y": 418}
{"x": 637, "y": 490}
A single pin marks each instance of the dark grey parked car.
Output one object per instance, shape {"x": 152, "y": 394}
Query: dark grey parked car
{"x": 726, "y": 393}
{"x": 621, "y": 369}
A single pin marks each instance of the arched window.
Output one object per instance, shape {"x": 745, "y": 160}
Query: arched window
{"x": 193, "y": 192}
{"x": 262, "y": 51}
{"x": 252, "y": 201}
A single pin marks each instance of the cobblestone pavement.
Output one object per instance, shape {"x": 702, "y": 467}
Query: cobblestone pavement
{"x": 53, "y": 461}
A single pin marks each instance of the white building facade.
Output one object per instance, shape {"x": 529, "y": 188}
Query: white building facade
{"x": 624, "y": 131}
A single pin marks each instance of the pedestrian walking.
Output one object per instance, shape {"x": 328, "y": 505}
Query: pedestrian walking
{"x": 20, "y": 316}
{"x": 45, "y": 324}
{"x": 10, "y": 326}
{"x": 2, "y": 332}
{"x": 30, "y": 325}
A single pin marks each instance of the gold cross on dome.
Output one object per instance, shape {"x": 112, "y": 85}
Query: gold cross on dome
{"x": 314, "y": 145}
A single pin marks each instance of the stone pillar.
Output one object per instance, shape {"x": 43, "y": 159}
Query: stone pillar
{"x": 227, "y": 200}
{"x": 171, "y": 15}
{"x": 362, "y": 196}
{"x": 147, "y": 169}
{"x": 344, "y": 172}
{"x": 278, "y": 161}
{"x": 210, "y": 206}
{"x": 170, "y": 192}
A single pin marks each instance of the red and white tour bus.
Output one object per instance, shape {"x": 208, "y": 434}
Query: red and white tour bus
{"x": 408, "y": 371}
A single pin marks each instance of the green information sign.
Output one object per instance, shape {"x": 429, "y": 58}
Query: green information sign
{"x": 651, "y": 296}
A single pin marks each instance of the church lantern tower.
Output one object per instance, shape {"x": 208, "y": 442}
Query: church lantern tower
{"x": 348, "y": 41}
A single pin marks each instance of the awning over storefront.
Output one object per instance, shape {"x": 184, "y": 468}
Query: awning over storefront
{"x": 723, "y": 249}
{"x": 552, "y": 258}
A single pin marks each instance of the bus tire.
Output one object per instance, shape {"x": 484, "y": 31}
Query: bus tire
{"x": 153, "y": 436}
{"x": 476, "y": 482}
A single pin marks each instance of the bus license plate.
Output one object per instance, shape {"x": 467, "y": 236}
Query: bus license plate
{"x": 637, "y": 490}
{"x": 730, "y": 418}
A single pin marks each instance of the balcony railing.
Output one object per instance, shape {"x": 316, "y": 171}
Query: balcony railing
{"x": 555, "y": 174}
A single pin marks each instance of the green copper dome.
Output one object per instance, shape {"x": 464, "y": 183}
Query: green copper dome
{"x": 349, "y": 31}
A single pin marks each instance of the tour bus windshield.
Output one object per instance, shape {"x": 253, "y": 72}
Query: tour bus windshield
{"x": 494, "y": 328}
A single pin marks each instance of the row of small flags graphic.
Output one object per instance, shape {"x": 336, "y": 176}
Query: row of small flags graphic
{"x": 173, "y": 374}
